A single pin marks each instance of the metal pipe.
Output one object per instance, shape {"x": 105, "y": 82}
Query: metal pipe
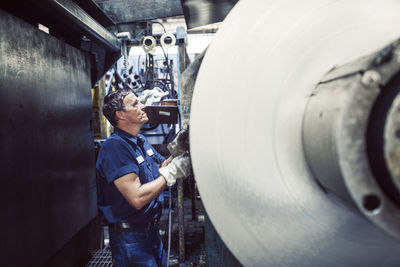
{"x": 181, "y": 222}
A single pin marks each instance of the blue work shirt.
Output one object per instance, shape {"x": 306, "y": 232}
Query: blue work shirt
{"x": 120, "y": 154}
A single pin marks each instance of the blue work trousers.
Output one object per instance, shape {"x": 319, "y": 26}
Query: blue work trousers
{"x": 137, "y": 247}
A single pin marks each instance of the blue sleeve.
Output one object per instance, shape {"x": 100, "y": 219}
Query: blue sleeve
{"x": 118, "y": 160}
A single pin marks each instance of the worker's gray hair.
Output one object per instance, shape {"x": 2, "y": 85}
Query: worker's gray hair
{"x": 113, "y": 102}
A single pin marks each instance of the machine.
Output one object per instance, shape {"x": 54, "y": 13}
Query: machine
{"x": 295, "y": 149}
{"x": 294, "y": 126}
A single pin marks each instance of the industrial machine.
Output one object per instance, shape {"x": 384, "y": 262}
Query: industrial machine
{"x": 294, "y": 126}
{"x": 296, "y": 152}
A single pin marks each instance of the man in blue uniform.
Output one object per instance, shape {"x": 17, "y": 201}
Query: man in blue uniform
{"x": 131, "y": 178}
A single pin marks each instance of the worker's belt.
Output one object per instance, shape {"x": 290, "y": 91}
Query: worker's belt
{"x": 125, "y": 225}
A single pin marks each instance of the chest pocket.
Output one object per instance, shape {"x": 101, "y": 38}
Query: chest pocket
{"x": 145, "y": 158}
{"x": 148, "y": 168}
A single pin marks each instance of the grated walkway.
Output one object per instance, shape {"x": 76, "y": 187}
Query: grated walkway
{"x": 101, "y": 258}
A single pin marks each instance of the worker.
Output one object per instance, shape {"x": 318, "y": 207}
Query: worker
{"x": 131, "y": 178}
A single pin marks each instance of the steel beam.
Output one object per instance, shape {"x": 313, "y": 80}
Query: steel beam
{"x": 75, "y": 16}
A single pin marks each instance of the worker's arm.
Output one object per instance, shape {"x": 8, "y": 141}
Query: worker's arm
{"x": 135, "y": 193}
{"x": 139, "y": 195}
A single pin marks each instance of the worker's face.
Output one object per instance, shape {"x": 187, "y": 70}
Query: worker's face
{"x": 134, "y": 110}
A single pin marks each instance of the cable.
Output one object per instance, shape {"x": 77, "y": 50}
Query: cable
{"x": 162, "y": 25}
{"x": 171, "y": 94}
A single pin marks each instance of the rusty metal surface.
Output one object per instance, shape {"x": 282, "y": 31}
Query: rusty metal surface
{"x": 48, "y": 190}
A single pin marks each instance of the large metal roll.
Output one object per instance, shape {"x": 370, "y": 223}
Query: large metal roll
{"x": 248, "y": 124}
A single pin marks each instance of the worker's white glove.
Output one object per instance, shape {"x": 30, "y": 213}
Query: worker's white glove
{"x": 178, "y": 168}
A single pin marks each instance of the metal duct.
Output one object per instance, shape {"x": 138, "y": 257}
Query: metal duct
{"x": 203, "y": 12}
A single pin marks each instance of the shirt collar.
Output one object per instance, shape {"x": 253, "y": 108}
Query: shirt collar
{"x": 122, "y": 133}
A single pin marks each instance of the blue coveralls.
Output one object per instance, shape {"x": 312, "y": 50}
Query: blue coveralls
{"x": 120, "y": 154}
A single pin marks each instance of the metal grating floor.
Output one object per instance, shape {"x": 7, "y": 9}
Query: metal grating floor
{"x": 101, "y": 258}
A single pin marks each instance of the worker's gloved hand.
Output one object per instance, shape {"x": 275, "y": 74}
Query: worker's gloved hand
{"x": 178, "y": 168}
{"x": 180, "y": 144}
